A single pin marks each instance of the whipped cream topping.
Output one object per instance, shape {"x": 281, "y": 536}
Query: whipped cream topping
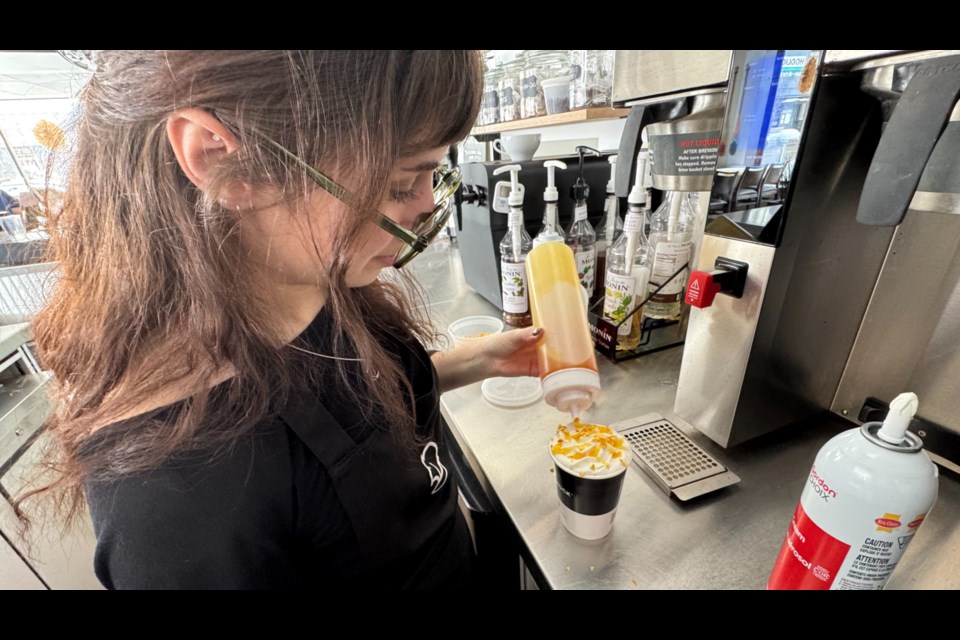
{"x": 590, "y": 449}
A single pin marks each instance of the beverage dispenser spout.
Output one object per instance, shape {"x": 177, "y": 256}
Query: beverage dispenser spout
{"x": 580, "y": 189}
{"x": 611, "y": 208}
{"x": 581, "y": 236}
{"x": 551, "y": 231}
{"x": 515, "y": 201}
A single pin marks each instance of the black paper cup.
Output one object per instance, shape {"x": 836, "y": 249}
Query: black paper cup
{"x": 588, "y": 504}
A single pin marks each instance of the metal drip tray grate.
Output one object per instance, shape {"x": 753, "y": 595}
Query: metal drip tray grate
{"x": 675, "y": 462}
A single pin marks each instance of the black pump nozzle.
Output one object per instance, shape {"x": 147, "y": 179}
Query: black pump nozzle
{"x": 580, "y": 189}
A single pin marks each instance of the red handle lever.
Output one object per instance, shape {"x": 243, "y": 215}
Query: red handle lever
{"x": 701, "y": 289}
{"x": 730, "y": 278}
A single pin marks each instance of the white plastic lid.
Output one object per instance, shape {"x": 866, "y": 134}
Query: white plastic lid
{"x": 571, "y": 390}
{"x": 555, "y": 82}
{"x": 547, "y": 236}
{"x": 465, "y": 330}
{"x": 511, "y": 392}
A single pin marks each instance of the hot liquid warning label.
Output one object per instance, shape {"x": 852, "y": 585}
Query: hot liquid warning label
{"x": 685, "y": 154}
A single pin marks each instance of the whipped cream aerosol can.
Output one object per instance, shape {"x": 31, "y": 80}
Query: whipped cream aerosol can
{"x": 868, "y": 492}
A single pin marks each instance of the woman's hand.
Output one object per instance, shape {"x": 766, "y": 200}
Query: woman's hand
{"x": 509, "y": 354}
{"x": 512, "y": 353}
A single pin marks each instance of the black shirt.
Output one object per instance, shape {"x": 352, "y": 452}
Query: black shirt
{"x": 317, "y": 496}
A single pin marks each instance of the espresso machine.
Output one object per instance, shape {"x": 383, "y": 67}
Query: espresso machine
{"x": 852, "y": 293}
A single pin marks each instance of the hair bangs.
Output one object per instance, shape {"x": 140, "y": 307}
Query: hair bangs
{"x": 442, "y": 105}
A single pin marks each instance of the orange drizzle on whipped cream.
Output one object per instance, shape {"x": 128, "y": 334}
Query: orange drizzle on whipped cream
{"x": 589, "y": 447}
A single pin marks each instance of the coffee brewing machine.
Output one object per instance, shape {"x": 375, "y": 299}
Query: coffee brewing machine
{"x": 852, "y": 293}
{"x": 676, "y": 101}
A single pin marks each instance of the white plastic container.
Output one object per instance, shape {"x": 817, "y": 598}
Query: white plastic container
{"x": 471, "y": 328}
{"x": 556, "y": 93}
{"x": 868, "y": 492}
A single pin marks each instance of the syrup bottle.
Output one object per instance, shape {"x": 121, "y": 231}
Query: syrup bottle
{"x": 581, "y": 237}
{"x": 628, "y": 267}
{"x": 607, "y": 231}
{"x": 514, "y": 247}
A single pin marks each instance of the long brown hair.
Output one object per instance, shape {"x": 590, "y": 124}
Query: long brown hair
{"x": 154, "y": 288}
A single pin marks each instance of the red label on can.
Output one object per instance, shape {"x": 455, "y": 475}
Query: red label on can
{"x": 916, "y": 523}
{"x": 888, "y": 523}
{"x": 810, "y": 557}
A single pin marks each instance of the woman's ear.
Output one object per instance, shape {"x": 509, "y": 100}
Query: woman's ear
{"x": 200, "y": 142}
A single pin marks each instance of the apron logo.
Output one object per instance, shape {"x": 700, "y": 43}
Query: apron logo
{"x": 431, "y": 462}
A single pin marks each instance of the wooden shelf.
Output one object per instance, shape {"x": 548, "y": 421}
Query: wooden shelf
{"x": 569, "y": 117}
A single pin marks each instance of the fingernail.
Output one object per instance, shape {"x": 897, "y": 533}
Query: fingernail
{"x": 537, "y": 331}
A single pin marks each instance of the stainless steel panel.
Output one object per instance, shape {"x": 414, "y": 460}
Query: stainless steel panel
{"x": 23, "y": 410}
{"x": 910, "y": 337}
{"x": 640, "y": 73}
{"x": 12, "y": 336}
{"x": 934, "y": 202}
{"x": 848, "y": 56}
{"x": 706, "y": 116}
{"x": 693, "y": 93}
{"x": 917, "y": 56}
{"x": 719, "y": 341}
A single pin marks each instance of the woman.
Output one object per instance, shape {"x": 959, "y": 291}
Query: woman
{"x": 243, "y": 402}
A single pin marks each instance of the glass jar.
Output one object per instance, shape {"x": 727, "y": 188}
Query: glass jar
{"x": 509, "y": 85}
{"x": 591, "y": 77}
{"x": 490, "y": 105}
{"x": 541, "y": 64}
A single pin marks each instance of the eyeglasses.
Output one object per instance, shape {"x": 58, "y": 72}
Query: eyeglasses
{"x": 446, "y": 181}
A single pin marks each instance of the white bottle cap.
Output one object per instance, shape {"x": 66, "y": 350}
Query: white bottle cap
{"x": 547, "y": 237}
{"x": 571, "y": 390}
{"x": 902, "y": 410}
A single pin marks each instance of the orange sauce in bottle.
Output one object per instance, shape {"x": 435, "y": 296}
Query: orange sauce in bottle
{"x": 556, "y": 304}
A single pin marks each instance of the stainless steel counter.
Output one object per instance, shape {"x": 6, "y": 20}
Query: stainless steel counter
{"x": 726, "y": 540}
{"x": 12, "y": 336}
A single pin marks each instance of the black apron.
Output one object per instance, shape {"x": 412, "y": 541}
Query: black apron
{"x": 402, "y": 503}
